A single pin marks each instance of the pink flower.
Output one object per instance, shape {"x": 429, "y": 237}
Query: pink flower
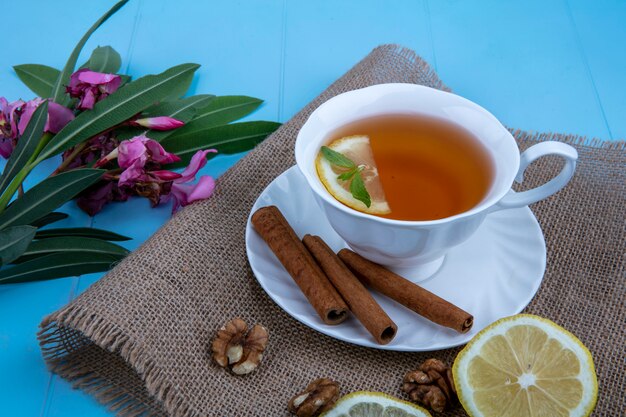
{"x": 157, "y": 123}
{"x": 91, "y": 87}
{"x": 136, "y": 152}
{"x": 14, "y": 118}
{"x": 58, "y": 116}
{"x": 8, "y": 126}
{"x": 184, "y": 193}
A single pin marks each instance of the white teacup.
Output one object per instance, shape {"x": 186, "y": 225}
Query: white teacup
{"x": 417, "y": 248}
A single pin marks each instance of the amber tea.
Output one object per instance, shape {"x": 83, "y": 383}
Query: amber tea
{"x": 429, "y": 168}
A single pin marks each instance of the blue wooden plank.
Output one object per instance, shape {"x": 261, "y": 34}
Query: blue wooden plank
{"x": 237, "y": 46}
{"x": 520, "y": 60}
{"x": 323, "y": 39}
{"x": 24, "y": 378}
{"x": 602, "y": 36}
{"x": 43, "y": 32}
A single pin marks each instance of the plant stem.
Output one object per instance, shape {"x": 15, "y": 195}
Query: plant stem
{"x": 67, "y": 161}
{"x": 13, "y": 186}
{"x": 20, "y": 191}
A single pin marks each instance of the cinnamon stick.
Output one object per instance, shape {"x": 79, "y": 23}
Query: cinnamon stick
{"x": 358, "y": 298}
{"x": 272, "y": 226}
{"x": 410, "y": 295}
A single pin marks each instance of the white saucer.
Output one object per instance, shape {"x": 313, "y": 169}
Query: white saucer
{"x": 492, "y": 275}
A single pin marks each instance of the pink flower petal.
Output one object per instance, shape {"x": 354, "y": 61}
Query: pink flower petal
{"x": 131, "y": 175}
{"x": 112, "y": 86}
{"x": 58, "y": 117}
{"x": 165, "y": 175}
{"x": 6, "y": 147}
{"x": 96, "y": 78}
{"x": 88, "y": 100}
{"x": 157, "y": 153}
{"x": 185, "y": 194}
{"x": 197, "y": 162}
{"x": 132, "y": 152}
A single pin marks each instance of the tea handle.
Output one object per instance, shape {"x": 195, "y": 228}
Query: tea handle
{"x": 524, "y": 198}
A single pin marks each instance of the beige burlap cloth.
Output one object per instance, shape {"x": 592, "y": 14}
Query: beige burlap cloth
{"x": 139, "y": 339}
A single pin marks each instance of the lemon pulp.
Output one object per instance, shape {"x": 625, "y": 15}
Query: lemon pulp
{"x": 525, "y": 365}
{"x": 374, "y": 404}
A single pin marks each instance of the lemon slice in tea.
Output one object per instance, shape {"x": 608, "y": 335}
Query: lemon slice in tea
{"x": 374, "y": 404}
{"x": 525, "y": 366}
{"x": 359, "y": 151}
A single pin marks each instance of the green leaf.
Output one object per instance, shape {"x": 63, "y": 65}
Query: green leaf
{"x": 57, "y": 265}
{"x": 181, "y": 88}
{"x": 116, "y": 108}
{"x": 71, "y": 246}
{"x": 104, "y": 59}
{"x": 346, "y": 176}
{"x": 80, "y": 231}
{"x": 358, "y": 190}
{"x": 14, "y": 241}
{"x": 125, "y": 79}
{"x": 39, "y": 78}
{"x": 220, "y": 111}
{"x": 337, "y": 158}
{"x": 58, "y": 89}
{"x": 25, "y": 146}
{"x": 47, "y": 196}
{"x": 48, "y": 219}
{"x": 233, "y": 138}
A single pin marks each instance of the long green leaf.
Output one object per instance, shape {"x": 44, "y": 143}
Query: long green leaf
{"x": 80, "y": 231}
{"x": 233, "y": 138}
{"x": 49, "y": 219}
{"x": 57, "y": 265}
{"x": 47, "y": 196}
{"x": 117, "y": 108}
{"x": 70, "y": 246}
{"x": 104, "y": 59}
{"x": 14, "y": 241}
{"x": 39, "y": 78}
{"x": 58, "y": 89}
{"x": 181, "y": 88}
{"x": 220, "y": 111}
{"x": 25, "y": 146}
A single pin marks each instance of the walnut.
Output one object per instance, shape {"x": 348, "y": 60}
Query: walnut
{"x": 236, "y": 348}
{"x": 319, "y": 396}
{"x": 431, "y": 385}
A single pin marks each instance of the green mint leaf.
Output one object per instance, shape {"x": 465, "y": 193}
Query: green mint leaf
{"x": 358, "y": 190}
{"x": 346, "y": 176}
{"x": 336, "y": 158}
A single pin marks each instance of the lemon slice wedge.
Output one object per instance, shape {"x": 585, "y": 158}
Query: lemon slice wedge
{"x": 359, "y": 151}
{"x": 374, "y": 404}
{"x": 525, "y": 366}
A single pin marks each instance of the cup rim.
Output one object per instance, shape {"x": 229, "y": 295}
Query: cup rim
{"x": 382, "y": 89}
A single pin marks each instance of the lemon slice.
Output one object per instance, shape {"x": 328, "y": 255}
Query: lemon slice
{"x": 525, "y": 365}
{"x": 359, "y": 151}
{"x": 374, "y": 404}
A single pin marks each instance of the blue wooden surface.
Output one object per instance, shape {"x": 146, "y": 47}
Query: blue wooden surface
{"x": 537, "y": 65}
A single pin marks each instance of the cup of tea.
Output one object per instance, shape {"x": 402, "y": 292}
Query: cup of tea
{"x": 444, "y": 164}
